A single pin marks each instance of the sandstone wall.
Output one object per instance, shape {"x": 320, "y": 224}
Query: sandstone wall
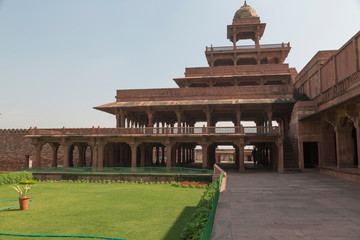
{"x": 14, "y": 149}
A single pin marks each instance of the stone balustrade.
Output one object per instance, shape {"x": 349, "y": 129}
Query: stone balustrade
{"x": 146, "y": 131}
{"x": 172, "y": 94}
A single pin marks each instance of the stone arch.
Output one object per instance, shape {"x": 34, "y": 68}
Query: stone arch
{"x": 46, "y": 155}
{"x": 345, "y": 143}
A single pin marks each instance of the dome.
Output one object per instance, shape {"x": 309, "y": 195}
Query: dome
{"x": 246, "y": 12}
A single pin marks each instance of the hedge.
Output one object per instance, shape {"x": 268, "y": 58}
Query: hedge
{"x": 14, "y": 177}
{"x": 195, "y": 227}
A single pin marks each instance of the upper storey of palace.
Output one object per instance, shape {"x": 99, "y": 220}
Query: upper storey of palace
{"x": 236, "y": 75}
{"x": 242, "y": 65}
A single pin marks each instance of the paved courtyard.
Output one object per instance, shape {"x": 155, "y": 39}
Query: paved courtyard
{"x": 267, "y": 205}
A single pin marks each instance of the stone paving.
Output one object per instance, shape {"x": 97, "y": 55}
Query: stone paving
{"x": 267, "y": 205}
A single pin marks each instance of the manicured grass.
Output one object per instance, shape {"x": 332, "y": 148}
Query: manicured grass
{"x": 131, "y": 211}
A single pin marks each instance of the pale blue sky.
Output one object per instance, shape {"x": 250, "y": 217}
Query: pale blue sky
{"x": 60, "y": 58}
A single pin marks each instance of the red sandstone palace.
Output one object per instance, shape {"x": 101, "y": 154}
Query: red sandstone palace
{"x": 316, "y": 113}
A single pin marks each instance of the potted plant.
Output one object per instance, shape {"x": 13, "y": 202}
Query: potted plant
{"x": 23, "y": 197}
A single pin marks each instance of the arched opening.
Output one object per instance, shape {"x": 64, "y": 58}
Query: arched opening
{"x": 246, "y": 61}
{"x": 46, "y": 155}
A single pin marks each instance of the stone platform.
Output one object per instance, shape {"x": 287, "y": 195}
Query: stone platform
{"x": 266, "y": 205}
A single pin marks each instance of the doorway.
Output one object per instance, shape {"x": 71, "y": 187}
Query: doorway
{"x": 311, "y": 154}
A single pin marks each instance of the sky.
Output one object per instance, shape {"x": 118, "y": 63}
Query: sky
{"x": 61, "y": 58}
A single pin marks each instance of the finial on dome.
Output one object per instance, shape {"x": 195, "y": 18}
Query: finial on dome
{"x": 246, "y": 12}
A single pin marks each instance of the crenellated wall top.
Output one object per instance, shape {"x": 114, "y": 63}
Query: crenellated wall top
{"x": 14, "y": 131}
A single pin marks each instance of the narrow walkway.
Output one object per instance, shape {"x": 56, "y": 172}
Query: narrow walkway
{"x": 266, "y": 205}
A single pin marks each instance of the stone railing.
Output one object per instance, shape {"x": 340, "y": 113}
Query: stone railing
{"x": 245, "y": 47}
{"x": 231, "y": 70}
{"x": 147, "y": 131}
{"x": 339, "y": 88}
{"x": 172, "y": 94}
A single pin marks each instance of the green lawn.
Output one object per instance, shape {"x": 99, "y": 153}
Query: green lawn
{"x": 130, "y": 211}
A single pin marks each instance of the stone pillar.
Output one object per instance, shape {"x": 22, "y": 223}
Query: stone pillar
{"x": 162, "y": 155}
{"x": 173, "y": 156}
{"x": 183, "y": 156}
{"x": 122, "y": 117}
{"x": 111, "y": 155}
{"x": 269, "y": 117}
{"x": 38, "y": 147}
{"x": 67, "y": 150}
{"x": 357, "y": 126}
{"x": 133, "y": 154}
{"x": 142, "y": 155}
{"x": 241, "y": 160}
{"x": 344, "y": 146}
{"x": 279, "y": 144}
{"x": 100, "y": 154}
{"x": 205, "y": 161}
{"x": 168, "y": 155}
{"x": 234, "y": 38}
{"x": 238, "y": 117}
{"x": 157, "y": 153}
{"x": 208, "y": 112}
{"x": 121, "y": 155}
{"x": 178, "y": 119}
{"x": 187, "y": 155}
{"x": 301, "y": 154}
{"x": 117, "y": 119}
{"x": 178, "y": 156}
{"x": 54, "y": 148}
{"x": 257, "y": 38}
{"x": 82, "y": 154}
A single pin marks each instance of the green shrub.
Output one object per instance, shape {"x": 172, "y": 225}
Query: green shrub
{"x": 175, "y": 184}
{"x": 27, "y": 182}
{"x": 195, "y": 227}
{"x": 14, "y": 177}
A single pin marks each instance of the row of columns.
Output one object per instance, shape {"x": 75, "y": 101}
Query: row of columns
{"x": 336, "y": 135}
{"x": 129, "y": 122}
{"x": 134, "y": 154}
